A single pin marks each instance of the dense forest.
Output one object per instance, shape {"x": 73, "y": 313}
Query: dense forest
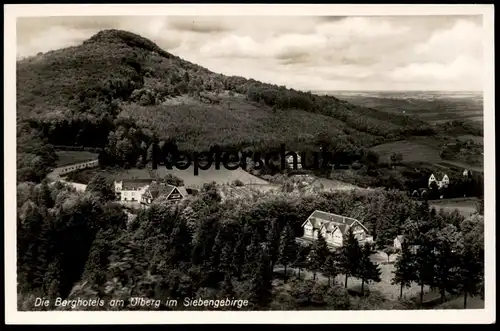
{"x": 81, "y": 245}
{"x": 110, "y": 93}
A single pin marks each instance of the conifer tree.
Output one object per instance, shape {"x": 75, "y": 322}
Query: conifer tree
{"x": 226, "y": 258}
{"x": 447, "y": 259}
{"x": 252, "y": 254}
{"x": 367, "y": 270}
{"x": 273, "y": 242}
{"x": 288, "y": 248}
{"x": 331, "y": 269}
{"x": 471, "y": 270}
{"x": 471, "y": 267}
{"x": 318, "y": 255}
{"x": 404, "y": 268}
{"x": 350, "y": 255}
{"x": 261, "y": 281}
{"x": 302, "y": 256}
{"x": 238, "y": 256}
{"x": 180, "y": 242}
{"x": 425, "y": 262}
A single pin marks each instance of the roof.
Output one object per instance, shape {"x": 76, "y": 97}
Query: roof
{"x": 157, "y": 189}
{"x": 134, "y": 184}
{"x": 331, "y": 221}
{"x": 237, "y": 192}
{"x": 400, "y": 238}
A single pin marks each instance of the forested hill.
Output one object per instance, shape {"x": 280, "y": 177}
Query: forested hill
{"x": 119, "y": 90}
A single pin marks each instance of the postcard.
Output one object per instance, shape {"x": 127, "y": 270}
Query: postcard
{"x": 249, "y": 164}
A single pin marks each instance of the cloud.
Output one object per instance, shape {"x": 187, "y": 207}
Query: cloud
{"x": 462, "y": 38}
{"x": 463, "y": 67}
{"x": 312, "y": 53}
{"x": 199, "y": 24}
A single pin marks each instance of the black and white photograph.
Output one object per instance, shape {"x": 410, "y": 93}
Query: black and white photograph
{"x": 188, "y": 160}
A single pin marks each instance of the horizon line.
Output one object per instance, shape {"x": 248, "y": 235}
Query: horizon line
{"x": 410, "y": 90}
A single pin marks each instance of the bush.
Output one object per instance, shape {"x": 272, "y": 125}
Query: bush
{"x": 356, "y": 165}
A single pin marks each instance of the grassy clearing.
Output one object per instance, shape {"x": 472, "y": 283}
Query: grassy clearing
{"x": 466, "y": 207}
{"x": 221, "y": 176}
{"x": 411, "y": 151}
{"x": 72, "y": 157}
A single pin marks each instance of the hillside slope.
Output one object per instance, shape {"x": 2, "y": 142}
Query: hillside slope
{"x": 119, "y": 90}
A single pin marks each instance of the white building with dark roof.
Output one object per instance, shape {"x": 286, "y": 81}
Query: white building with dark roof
{"x": 145, "y": 191}
{"x": 131, "y": 190}
{"x": 443, "y": 183}
{"x": 333, "y": 228}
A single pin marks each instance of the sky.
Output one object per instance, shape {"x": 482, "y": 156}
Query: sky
{"x": 316, "y": 53}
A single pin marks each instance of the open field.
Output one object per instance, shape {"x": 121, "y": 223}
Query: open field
{"x": 72, "y": 157}
{"x": 221, "y": 176}
{"x": 464, "y": 206}
{"x": 411, "y": 151}
{"x": 476, "y": 139}
{"x": 461, "y": 165}
{"x": 423, "y": 149}
{"x": 333, "y": 184}
{"x": 427, "y": 105}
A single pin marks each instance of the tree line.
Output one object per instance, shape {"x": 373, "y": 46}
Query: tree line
{"x": 444, "y": 256}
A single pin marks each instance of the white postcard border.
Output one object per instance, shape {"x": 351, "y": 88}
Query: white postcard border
{"x": 486, "y": 315}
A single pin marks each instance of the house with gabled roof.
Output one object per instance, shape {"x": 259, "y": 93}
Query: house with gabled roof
{"x": 443, "y": 183}
{"x": 400, "y": 240}
{"x": 333, "y": 228}
{"x": 170, "y": 192}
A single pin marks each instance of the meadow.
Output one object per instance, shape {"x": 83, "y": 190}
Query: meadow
{"x": 412, "y": 151}
{"x": 72, "y": 157}
{"x": 221, "y": 176}
{"x": 465, "y": 207}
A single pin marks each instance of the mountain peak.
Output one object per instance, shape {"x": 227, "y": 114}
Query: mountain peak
{"x": 126, "y": 37}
